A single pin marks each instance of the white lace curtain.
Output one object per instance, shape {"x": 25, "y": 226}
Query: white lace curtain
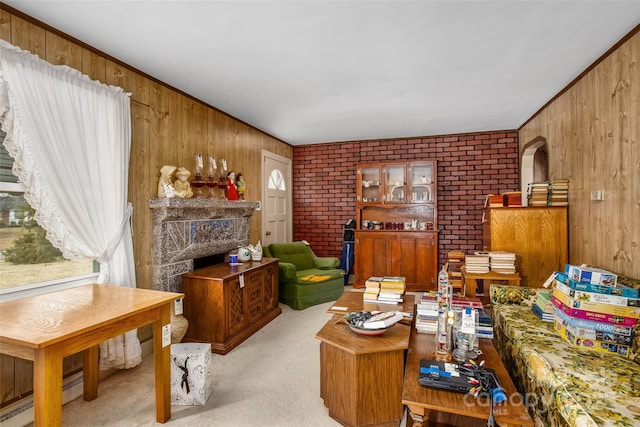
{"x": 70, "y": 138}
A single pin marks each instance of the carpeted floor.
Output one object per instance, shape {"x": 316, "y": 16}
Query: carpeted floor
{"x": 272, "y": 379}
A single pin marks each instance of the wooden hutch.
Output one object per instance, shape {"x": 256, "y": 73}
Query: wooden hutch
{"x": 397, "y": 223}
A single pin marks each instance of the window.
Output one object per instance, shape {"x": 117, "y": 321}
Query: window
{"x": 276, "y": 181}
{"x": 23, "y": 245}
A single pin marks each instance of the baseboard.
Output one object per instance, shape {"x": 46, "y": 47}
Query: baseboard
{"x": 20, "y": 413}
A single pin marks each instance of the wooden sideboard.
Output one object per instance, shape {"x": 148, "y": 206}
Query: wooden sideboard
{"x": 227, "y": 304}
{"x": 537, "y": 235}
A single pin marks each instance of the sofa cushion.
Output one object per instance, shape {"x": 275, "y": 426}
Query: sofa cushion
{"x": 296, "y": 253}
{"x": 314, "y": 275}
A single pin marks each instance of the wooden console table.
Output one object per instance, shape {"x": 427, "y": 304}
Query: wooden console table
{"x": 361, "y": 377}
{"x": 470, "y": 280}
{"x": 226, "y": 304}
{"x": 46, "y": 328}
{"x": 429, "y": 405}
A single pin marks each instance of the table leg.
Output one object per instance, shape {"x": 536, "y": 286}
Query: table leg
{"x": 471, "y": 287}
{"x": 90, "y": 372}
{"x": 162, "y": 365}
{"x": 47, "y": 387}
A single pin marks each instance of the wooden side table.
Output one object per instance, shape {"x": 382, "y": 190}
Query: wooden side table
{"x": 470, "y": 280}
{"x": 361, "y": 377}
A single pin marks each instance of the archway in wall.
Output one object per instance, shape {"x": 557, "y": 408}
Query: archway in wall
{"x": 534, "y": 165}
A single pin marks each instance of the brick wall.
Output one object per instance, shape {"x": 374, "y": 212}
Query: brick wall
{"x": 469, "y": 167}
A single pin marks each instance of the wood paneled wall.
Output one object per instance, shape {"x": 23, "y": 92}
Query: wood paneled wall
{"x": 168, "y": 127}
{"x": 593, "y": 134}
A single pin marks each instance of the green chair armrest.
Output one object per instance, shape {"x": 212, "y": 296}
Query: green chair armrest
{"x": 287, "y": 272}
{"x": 326, "y": 263}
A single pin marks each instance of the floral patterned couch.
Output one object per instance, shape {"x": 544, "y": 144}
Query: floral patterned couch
{"x": 563, "y": 385}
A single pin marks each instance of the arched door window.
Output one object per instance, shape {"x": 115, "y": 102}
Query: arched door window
{"x": 277, "y": 181}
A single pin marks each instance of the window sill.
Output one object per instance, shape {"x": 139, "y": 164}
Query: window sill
{"x": 44, "y": 287}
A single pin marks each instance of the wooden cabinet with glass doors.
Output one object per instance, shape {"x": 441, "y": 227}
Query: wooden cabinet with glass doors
{"x": 396, "y": 223}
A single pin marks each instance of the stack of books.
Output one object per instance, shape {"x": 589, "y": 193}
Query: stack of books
{"x": 477, "y": 263}
{"x": 595, "y": 316}
{"x": 543, "y": 308}
{"x": 502, "y": 262}
{"x": 537, "y": 193}
{"x": 484, "y": 324}
{"x": 371, "y": 289}
{"x": 392, "y": 289}
{"x": 427, "y": 314}
{"x": 558, "y": 194}
{"x": 458, "y": 302}
{"x": 455, "y": 262}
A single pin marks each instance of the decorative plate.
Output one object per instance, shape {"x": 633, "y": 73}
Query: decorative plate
{"x": 367, "y": 332}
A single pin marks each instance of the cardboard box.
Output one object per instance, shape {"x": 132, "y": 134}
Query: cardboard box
{"x": 191, "y": 376}
{"x": 592, "y": 275}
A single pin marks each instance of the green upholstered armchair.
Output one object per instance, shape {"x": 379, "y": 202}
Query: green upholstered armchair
{"x": 304, "y": 278}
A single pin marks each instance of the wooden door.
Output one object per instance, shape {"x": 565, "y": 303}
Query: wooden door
{"x": 277, "y": 217}
{"x": 371, "y": 256}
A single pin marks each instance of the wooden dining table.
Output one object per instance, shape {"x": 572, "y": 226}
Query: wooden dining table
{"x": 48, "y": 327}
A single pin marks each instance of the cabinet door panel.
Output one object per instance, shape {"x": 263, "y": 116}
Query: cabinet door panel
{"x": 371, "y": 256}
{"x": 236, "y": 306}
{"x": 414, "y": 256}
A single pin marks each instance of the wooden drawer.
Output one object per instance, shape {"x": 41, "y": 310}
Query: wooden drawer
{"x": 254, "y": 294}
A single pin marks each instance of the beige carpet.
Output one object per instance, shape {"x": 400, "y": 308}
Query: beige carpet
{"x": 272, "y": 379}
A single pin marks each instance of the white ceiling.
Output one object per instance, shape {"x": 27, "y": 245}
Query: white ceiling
{"x": 324, "y": 71}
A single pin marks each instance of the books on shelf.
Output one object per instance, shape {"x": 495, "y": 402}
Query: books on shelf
{"x": 537, "y": 193}
{"x": 558, "y": 194}
{"x": 502, "y": 262}
{"x": 478, "y": 263}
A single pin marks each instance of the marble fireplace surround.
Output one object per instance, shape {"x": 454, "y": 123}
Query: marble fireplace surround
{"x": 186, "y": 229}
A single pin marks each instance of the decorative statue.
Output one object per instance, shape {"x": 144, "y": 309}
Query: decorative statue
{"x": 165, "y": 188}
{"x": 240, "y": 185}
{"x": 232, "y": 190}
{"x": 181, "y": 186}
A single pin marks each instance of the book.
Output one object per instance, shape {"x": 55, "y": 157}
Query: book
{"x": 383, "y": 320}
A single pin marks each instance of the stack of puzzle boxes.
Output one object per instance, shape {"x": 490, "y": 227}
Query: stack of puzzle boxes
{"x": 593, "y": 311}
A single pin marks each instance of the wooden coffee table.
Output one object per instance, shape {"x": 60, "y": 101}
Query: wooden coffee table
{"x": 353, "y": 301}
{"x": 360, "y": 376}
{"x": 429, "y": 405}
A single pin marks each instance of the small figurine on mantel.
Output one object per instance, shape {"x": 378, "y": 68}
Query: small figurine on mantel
{"x": 181, "y": 186}
{"x": 165, "y": 188}
{"x": 240, "y": 185}
{"x": 232, "y": 190}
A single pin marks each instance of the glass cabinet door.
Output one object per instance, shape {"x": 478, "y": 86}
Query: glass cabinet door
{"x": 395, "y": 184}
{"x": 369, "y": 183}
{"x": 421, "y": 183}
